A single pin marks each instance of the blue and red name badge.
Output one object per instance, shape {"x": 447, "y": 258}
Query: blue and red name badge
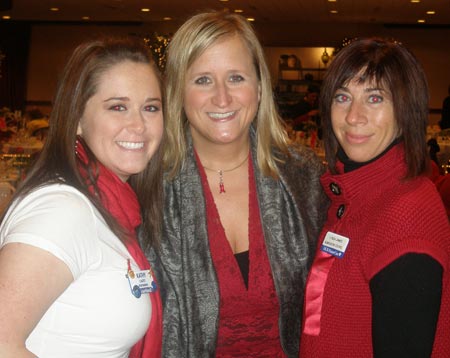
{"x": 335, "y": 244}
{"x": 140, "y": 281}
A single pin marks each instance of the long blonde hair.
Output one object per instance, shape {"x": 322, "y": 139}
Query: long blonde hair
{"x": 195, "y": 36}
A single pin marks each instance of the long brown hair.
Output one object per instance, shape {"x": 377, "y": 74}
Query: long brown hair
{"x": 57, "y": 161}
{"x": 395, "y": 68}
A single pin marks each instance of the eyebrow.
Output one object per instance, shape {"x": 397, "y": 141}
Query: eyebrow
{"x": 150, "y": 99}
{"x": 116, "y": 99}
{"x": 369, "y": 89}
{"x": 372, "y": 89}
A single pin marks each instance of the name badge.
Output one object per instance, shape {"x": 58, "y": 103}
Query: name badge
{"x": 335, "y": 244}
{"x": 141, "y": 282}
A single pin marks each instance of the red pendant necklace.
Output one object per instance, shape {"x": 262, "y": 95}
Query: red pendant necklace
{"x": 221, "y": 171}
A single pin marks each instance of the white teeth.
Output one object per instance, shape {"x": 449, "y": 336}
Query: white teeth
{"x": 221, "y": 115}
{"x": 131, "y": 145}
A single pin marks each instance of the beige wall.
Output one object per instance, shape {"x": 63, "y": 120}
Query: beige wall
{"x": 52, "y": 43}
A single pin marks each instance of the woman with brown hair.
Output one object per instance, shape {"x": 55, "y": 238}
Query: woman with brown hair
{"x": 73, "y": 279}
{"x": 380, "y": 282}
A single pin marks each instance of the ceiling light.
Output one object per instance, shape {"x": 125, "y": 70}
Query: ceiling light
{"x": 431, "y": 12}
{"x": 6, "y": 17}
{"x": 223, "y": 0}
{"x": 421, "y": 21}
{"x": 167, "y": 18}
{"x": 54, "y": 9}
{"x": 251, "y": 19}
{"x": 145, "y": 9}
{"x": 238, "y": 11}
{"x": 334, "y": 11}
{"x": 85, "y": 18}
{"x": 332, "y": 0}
{"x": 415, "y": 1}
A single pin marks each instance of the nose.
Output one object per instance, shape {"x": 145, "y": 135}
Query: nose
{"x": 221, "y": 97}
{"x": 137, "y": 122}
{"x": 356, "y": 114}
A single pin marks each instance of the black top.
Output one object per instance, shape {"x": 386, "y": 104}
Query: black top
{"x": 406, "y": 298}
{"x": 243, "y": 262}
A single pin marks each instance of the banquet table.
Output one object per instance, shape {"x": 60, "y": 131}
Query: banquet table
{"x": 25, "y": 148}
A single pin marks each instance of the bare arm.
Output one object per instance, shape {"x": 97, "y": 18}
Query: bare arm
{"x": 31, "y": 279}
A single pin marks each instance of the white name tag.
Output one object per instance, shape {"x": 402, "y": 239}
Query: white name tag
{"x": 141, "y": 282}
{"x": 335, "y": 244}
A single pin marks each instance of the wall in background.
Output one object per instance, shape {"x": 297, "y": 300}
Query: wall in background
{"x": 51, "y": 43}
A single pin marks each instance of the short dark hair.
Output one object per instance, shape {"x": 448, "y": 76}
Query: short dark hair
{"x": 394, "y": 67}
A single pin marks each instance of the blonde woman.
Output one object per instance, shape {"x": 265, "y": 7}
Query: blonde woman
{"x": 242, "y": 209}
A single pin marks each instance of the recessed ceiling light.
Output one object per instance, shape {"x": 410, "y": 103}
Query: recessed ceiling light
{"x": 223, "y": 0}
{"x": 431, "y": 12}
{"x": 251, "y": 19}
{"x": 420, "y": 21}
{"x": 54, "y": 9}
{"x": 238, "y": 11}
{"x": 332, "y": 0}
{"x": 334, "y": 11}
{"x": 85, "y": 18}
{"x": 6, "y": 17}
{"x": 145, "y": 9}
{"x": 415, "y": 1}
{"x": 167, "y": 18}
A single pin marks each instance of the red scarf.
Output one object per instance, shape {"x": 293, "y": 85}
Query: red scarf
{"x": 121, "y": 201}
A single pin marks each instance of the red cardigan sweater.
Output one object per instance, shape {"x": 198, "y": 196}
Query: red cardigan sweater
{"x": 384, "y": 217}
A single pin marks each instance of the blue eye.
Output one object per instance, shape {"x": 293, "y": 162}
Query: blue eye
{"x": 236, "y": 78}
{"x": 152, "y": 108}
{"x": 202, "y": 80}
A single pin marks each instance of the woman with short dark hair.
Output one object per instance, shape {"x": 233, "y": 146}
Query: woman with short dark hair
{"x": 379, "y": 285}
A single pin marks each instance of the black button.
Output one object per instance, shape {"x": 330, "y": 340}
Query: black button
{"x": 335, "y": 189}
{"x": 340, "y": 211}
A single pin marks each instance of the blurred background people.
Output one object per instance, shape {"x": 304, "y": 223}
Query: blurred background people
{"x": 379, "y": 285}
{"x": 307, "y": 109}
{"x": 69, "y": 258}
{"x": 442, "y": 182}
{"x": 445, "y": 119}
{"x": 242, "y": 209}
{"x": 433, "y": 149}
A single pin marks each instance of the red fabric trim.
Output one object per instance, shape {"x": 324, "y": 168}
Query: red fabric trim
{"x": 314, "y": 292}
{"x": 121, "y": 202}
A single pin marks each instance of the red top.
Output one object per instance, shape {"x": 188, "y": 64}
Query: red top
{"x": 248, "y": 319}
{"x": 384, "y": 217}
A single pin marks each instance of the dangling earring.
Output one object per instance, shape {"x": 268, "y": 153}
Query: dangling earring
{"x": 77, "y": 142}
{"x": 77, "y": 145}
